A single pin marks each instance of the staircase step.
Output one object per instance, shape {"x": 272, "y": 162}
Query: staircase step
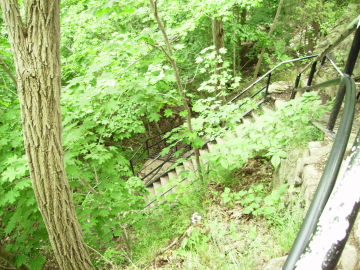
{"x": 178, "y": 170}
{"x": 203, "y": 152}
{"x": 220, "y": 141}
{"x": 164, "y": 180}
{"x": 239, "y": 132}
{"x": 151, "y": 165}
{"x": 255, "y": 116}
{"x": 188, "y": 165}
{"x": 151, "y": 190}
{"x": 267, "y": 110}
{"x": 212, "y": 147}
{"x": 173, "y": 176}
{"x": 278, "y": 104}
{"x": 174, "y": 179}
{"x": 157, "y": 187}
{"x": 246, "y": 121}
{"x": 229, "y": 135}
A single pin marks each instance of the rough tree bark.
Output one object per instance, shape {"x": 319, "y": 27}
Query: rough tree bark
{"x": 218, "y": 38}
{"x": 35, "y": 43}
{"x": 270, "y": 33}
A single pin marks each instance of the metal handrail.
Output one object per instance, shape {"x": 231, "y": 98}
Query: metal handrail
{"x": 332, "y": 167}
{"x": 337, "y": 219}
{"x": 267, "y": 74}
{"x": 330, "y": 173}
{"x": 135, "y": 157}
{"x": 334, "y": 65}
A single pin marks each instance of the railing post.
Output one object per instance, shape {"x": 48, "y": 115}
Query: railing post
{"x": 132, "y": 167}
{"x": 296, "y": 85}
{"x": 147, "y": 146}
{"x": 328, "y": 178}
{"x": 267, "y": 85}
{"x": 312, "y": 72}
{"x": 323, "y": 61}
{"x": 349, "y": 67}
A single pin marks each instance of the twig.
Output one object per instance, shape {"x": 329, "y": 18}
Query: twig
{"x": 8, "y": 71}
{"x": 102, "y": 256}
{"x": 88, "y": 185}
{"x": 96, "y": 176}
{"x": 169, "y": 246}
{"x": 136, "y": 61}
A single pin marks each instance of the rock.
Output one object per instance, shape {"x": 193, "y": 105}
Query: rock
{"x": 340, "y": 53}
{"x": 286, "y": 174}
{"x": 356, "y": 230}
{"x": 348, "y": 259}
{"x": 275, "y": 264}
{"x": 278, "y": 87}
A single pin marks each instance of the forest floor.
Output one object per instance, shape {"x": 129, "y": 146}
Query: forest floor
{"x": 225, "y": 237}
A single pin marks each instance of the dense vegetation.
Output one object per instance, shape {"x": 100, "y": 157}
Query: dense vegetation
{"x": 120, "y": 88}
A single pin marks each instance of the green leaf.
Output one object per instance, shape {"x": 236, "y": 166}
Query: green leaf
{"x": 168, "y": 112}
{"x": 275, "y": 161}
{"x": 183, "y": 113}
{"x": 179, "y": 46}
{"x": 224, "y": 162}
{"x": 37, "y": 262}
{"x": 154, "y": 117}
{"x": 21, "y": 259}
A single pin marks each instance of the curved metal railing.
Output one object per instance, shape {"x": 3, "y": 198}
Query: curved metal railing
{"x": 330, "y": 173}
{"x": 146, "y": 148}
{"x": 332, "y": 167}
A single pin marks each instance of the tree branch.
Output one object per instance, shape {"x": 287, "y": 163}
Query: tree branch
{"x": 8, "y": 71}
{"x": 178, "y": 80}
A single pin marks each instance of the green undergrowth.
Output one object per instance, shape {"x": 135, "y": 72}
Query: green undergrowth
{"x": 233, "y": 219}
{"x": 209, "y": 226}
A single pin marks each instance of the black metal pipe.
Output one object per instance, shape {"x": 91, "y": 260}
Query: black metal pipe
{"x": 323, "y": 84}
{"x": 271, "y": 70}
{"x": 323, "y": 61}
{"x": 312, "y": 72}
{"x": 132, "y": 167}
{"x": 296, "y": 85}
{"x": 349, "y": 67}
{"x": 328, "y": 177}
{"x": 267, "y": 85}
{"x": 338, "y": 217}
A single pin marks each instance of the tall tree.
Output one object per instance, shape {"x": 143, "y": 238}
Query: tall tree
{"x": 35, "y": 43}
{"x": 170, "y": 55}
{"x": 270, "y": 33}
{"x": 219, "y": 43}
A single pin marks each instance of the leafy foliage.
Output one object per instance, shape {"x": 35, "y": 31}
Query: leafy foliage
{"x": 118, "y": 90}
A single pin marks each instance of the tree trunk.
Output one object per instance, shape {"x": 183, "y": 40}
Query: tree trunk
{"x": 312, "y": 36}
{"x": 218, "y": 38}
{"x": 35, "y": 43}
{"x": 270, "y": 33}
